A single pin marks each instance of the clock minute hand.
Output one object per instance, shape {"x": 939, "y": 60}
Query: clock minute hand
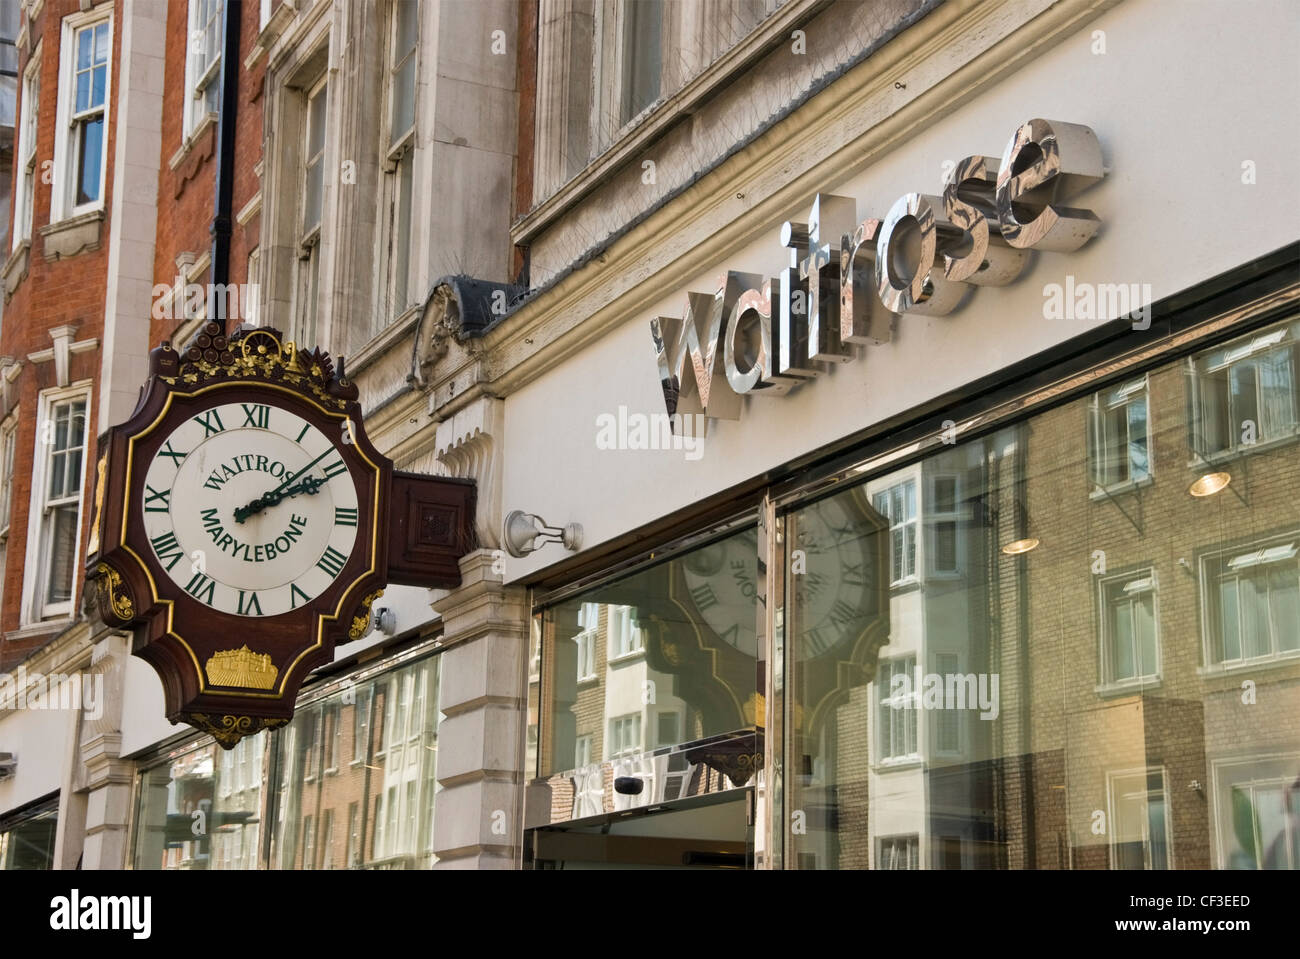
{"x": 274, "y": 496}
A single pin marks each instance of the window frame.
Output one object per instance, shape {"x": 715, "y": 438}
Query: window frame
{"x": 308, "y": 237}
{"x": 63, "y": 200}
{"x": 8, "y": 448}
{"x": 198, "y": 81}
{"x": 1127, "y": 392}
{"x": 910, "y": 576}
{"x": 910, "y": 706}
{"x": 958, "y": 515}
{"x": 35, "y": 610}
{"x": 912, "y": 845}
{"x": 1105, "y": 651}
{"x": 1212, "y": 570}
{"x": 25, "y": 163}
{"x": 1287, "y": 334}
{"x": 1115, "y": 777}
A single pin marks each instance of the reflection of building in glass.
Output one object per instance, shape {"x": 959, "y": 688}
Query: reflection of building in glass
{"x": 348, "y": 784}
{"x": 1126, "y": 652}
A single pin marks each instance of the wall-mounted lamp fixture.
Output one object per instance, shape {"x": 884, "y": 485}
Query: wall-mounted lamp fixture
{"x": 384, "y": 620}
{"x": 1019, "y": 546}
{"x": 1209, "y": 484}
{"x": 526, "y": 532}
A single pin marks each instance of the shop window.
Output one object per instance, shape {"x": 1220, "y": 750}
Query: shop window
{"x": 1253, "y": 601}
{"x": 81, "y": 140}
{"x": 624, "y": 735}
{"x": 371, "y": 797}
{"x": 28, "y": 172}
{"x": 1245, "y": 392}
{"x": 898, "y": 852}
{"x": 1130, "y": 647}
{"x": 897, "y": 708}
{"x": 1139, "y": 821}
{"x": 27, "y": 838}
{"x": 56, "y": 504}
{"x": 681, "y": 637}
{"x": 202, "y": 62}
{"x": 898, "y": 505}
{"x": 1118, "y": 435}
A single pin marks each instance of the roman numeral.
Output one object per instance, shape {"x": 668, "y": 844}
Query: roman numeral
{"x": 332, "y": 562}
{"x": 305, "y": 428}
{"x": 704, "y": 596}
{"x": 166, "y": 548}
{"x": 177, "y": 458}
{"x": 344, "y": 516}
{"x": 202, "y": 588}
{"x": 257, "y": 415}
{"x": 294, "y": 593}
{"x": 842, "y": 613}
{"x": 334, "y": 469}
{"x": 152, "y": 495}
{"x": 207, "y": 420}
{"x": 253, "y": 604}
{"x": 732, "y": 635}
{"x": 853, "y": 574}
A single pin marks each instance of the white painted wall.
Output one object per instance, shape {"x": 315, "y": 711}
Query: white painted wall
{"x": 1174, "y": 134}
{"x": 41, "y": 739}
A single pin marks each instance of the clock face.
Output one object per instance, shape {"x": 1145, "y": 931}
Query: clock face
{"x": 836, "y": 595}
{"x": 250, "y": 509}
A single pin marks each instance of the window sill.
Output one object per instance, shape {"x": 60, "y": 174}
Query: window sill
{"x": 43, "y": 628}
{"x": 626, "y": 657}
{"x": 203, "y": 136}
{"x": 1274, "y": 661}
{"x": 1225, "y": 457}
{"x": 381, "y": 342}
{"x": 15, "y": 268}
{"x": 72, "y": 235}
{"x": 587, "y": 681}
{"x": 895, "y": 765}
{"x": 1128, "y": 687}
{"x": 1100, "y": 492}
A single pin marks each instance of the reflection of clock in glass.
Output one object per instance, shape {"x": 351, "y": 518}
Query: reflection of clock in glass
{"x": 835, "y": 588}
{"x": 722, "y": 581}
{"x": 250, "y": 509}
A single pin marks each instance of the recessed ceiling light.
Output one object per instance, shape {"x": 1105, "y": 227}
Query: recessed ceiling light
{"x": 1209, "y": 484}
{"x": 1020, "y": 546}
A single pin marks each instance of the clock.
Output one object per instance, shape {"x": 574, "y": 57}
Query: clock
{"x": 251, "y": 508}
{"x": 245, "y": 524}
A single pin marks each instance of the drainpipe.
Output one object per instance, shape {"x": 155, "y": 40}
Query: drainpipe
{"x": 227, "y": 109}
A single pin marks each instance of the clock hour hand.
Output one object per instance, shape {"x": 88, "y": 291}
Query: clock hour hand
{"x": 307, "y": 485}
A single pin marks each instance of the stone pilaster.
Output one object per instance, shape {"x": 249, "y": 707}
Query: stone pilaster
{"x": 477, "y": 821}
{"x": 107, "y": 777}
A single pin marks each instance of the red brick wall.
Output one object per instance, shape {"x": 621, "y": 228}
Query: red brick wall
{"x": 67, "y": 291}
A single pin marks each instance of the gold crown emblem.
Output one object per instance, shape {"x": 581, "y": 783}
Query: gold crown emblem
{"x": 241, "y": 667}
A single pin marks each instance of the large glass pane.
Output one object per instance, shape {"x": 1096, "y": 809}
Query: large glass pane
{"x": 1015, "y": 752}
{"x": 202, "y": 807}
{"x": 679, "y": 637}
{"x": 90, "y": 155}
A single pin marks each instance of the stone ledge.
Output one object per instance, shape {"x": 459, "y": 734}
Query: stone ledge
{"x": 72, "y": 235}
{"x": 15, "y": 268}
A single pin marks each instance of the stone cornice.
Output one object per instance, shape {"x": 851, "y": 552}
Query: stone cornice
{"x": 945, "y": 60}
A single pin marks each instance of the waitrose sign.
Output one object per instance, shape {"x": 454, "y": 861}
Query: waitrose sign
{"x": 847, "y": 278}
